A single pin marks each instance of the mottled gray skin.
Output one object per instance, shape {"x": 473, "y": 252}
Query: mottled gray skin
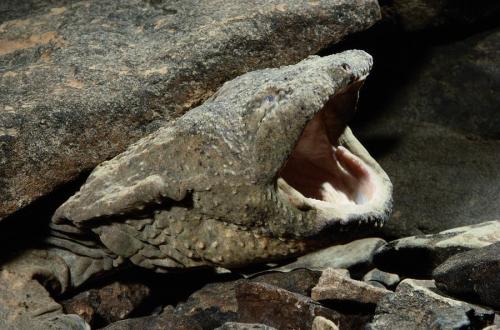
{"x": 82, "y": 80}
{"x": 202, "y": 191}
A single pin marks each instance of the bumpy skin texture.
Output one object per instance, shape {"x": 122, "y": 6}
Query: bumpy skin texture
{"x": 81, "y": 80}
{"x": 202, "y": 190}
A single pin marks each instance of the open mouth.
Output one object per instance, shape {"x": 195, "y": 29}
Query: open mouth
{"x": 330, "y": 171}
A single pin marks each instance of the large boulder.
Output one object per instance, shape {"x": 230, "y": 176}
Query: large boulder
{"x": 80, "y": 81}
{"x": 435, "y": 129}
{"x": 474, "y": 275}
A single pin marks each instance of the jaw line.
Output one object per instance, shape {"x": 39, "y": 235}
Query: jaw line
{"x": 329, "y": 171}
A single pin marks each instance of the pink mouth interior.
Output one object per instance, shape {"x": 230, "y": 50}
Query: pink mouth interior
{"x": 321, "y": 169}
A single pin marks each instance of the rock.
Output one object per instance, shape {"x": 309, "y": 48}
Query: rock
{"x": 334, "y": 285}
{"x": 415, "y": 15}
{"x": 26, "y": 305}
{"x": 388, "y": 280}
{"x": 81, "y": 81}
{"x": 110, "y": 303}
{"x": 166, "y": 320}
{"x": 279, "y": 308}
{"x": 415, "y": 305}
{"x": 321, "y": 323}
{"x": 357, "y": 256}
{"x": 474, "y": 274}
{"x": 244, "y": 326}
{"x": 441, "y": 113}
{"x": 419, "y": 255}
{"x": 300, "y": 281}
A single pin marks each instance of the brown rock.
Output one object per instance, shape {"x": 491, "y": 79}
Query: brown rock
{"x": 110, "y": 303}
{"x": 334, "y": 285}
{"x": 279, "y": 308}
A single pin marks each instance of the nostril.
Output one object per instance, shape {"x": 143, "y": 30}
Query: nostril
{"x": 346, "y": 66}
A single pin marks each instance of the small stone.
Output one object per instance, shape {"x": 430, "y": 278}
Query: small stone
{"x": 321, "y": 323}
{"x": 334, "y": 285}
{"x": 110, "y": 303}
{"x": 416, "y": 305}
{"x": 244, "y": 326}
{"x": 388, "y": 280}
{"x": 474, "y": 275}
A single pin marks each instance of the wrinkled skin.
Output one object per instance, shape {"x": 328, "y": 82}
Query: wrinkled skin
{"x": 265, "y": 169}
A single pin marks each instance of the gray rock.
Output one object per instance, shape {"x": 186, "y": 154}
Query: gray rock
{"x": 440, "y": 123}
{"x": 419, "y": 255}
{"x": 357, "y": 256}
{"x": 416, "y": 306}
{"x": 415, "y": 15}
{"x": 244, "y": 326}
{"x": 334, "y": 285}
{"x": 26, "y": 305}
{"x": 81, "y": 81}
{"x": 388, "y": 280}
{"x": 474, "y": 275}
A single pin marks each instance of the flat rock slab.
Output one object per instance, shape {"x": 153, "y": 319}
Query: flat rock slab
{"x": 415, "y": 305}
{"x": 357, "y": 256}
{"x": 335, "y": 285}
{"x": 419, "y": 255}
{"x": 80, "y": 81}
{"x": 474, "y": 274}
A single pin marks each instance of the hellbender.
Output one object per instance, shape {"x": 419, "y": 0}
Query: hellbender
{"x": 265, "y": 169}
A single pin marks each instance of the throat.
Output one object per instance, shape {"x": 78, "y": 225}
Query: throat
{"x": 323, "y": 170}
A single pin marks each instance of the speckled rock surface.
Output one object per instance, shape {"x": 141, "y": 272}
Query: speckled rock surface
{"x": 415, "y": 305}
{"x": 473, "y": 275}
{"x": 244, "y": 326}
{"x": 334, "y": 285}
{"x": 419, "y": 255}
{"x": 81, "y": 80}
